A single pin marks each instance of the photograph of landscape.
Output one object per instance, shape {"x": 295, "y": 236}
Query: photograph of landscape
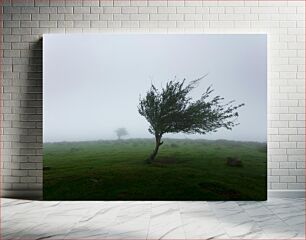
{"x": 155, "y": 117}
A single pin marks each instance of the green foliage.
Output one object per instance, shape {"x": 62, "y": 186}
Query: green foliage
{"x": 171, "y": 110}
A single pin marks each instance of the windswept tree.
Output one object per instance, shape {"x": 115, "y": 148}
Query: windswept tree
{"x": 172, "y": 110}
{"x": 121, "y": 132}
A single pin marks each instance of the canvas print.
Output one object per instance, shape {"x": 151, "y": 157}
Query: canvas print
{"x": 155, "y": 116}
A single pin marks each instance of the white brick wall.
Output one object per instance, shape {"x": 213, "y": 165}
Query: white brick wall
{"x": 24, "y": 22}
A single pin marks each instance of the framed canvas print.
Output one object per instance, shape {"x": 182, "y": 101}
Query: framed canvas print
{"x": 155, "y": 116}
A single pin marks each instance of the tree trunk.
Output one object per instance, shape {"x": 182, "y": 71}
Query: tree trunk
{"x": 153, "y": 155}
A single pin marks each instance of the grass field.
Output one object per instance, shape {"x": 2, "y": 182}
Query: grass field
{"x": 184, "y": 170}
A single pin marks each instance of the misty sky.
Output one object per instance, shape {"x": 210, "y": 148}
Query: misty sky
{"x": 92, "y": 82}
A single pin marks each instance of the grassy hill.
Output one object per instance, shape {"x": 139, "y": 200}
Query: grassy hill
{"x": 184, "y": 170}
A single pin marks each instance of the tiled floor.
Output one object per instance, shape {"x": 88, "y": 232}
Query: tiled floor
{"x": 273, "y": 219}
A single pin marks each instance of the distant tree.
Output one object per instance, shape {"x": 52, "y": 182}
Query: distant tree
{"x": 171, "y": 110}
{"x": 121, "y": 132}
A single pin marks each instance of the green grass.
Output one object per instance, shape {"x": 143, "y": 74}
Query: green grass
{"x": 184, "y": 170}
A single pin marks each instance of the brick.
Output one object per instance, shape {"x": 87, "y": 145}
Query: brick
{"x": 287, "y": 116}
{"x": 221, "y": 24}
{"x": 185, "y": 24}
{"x": 157, "y": 3}
{"x": 273, "y": 144}
{"x": 104, "y": 17}
{"x": 288, "y": 131}
{"x": 288, "y": 53}
{"x": 25, "y": 3}
{"x": 111, "y": 10}
{"x": 34, "y": 186}
{"x": 296, "y": 158}
{"x": 122, "y": 3}
{"x": 40, "y": 16}
{"x": 202, "y": 10}
{"x": 21, "y": 31}
{"x": 64, "y": 24}
{"x": 288, "y": 24}
{"x": 300, "y": 179}
{"x": 167, "y": 24}
{"x": 166, "y": 10}
{"x": 11, "y": 9}
{"x": 81, "y": 10}
{"x": 7, "y": 172}
{"x": 196, "y": 3}
{"x": 11, "y": 24}
{"x": 130, "y": 24}
{"x": 21, "y": 17}
{"x": 73, "y": 17}
{"x": 273, "y": 179}
{"x": 35, "y": 173}
{"x": 296, "y": 172}
{"x": 96, "y": 10}
{"x": 11, "y": 53}
{"x": 138, "y": 3}
{"x": 81, "y": 24}
{"x": 228, "y": 17}
{"x": 98, "y": 24}
{"x": 28, "y": 179}
{"x": 147, "y": 9}
{"x": 296, "y": 151}
{"x": 57, "y": 17}
{"x": 129, "y": 10}
{"x": 277, "y": 186}
{"x": 6, "y": 186}
{"x": 95, "y": 2}
{"x": 296, "y": 186}
{"x": 242, "y": 24}
{"x": 264, "y": 24}
{"x": 287, "y": 145}
{"x": 288, "y": 179}
{"x": 176, "y": 17}
{"x": 191, "y": 17}
{"x": 48, "y": 10}
{"x": 279, "y": 124}
{"x": 300, "y": 164}
{"x": 301, "y": 116}
{"x": 57, "y": 3}
{"x": 230, "y": 3}
{"x": 20, "y": 46}
{"x": 139, "y": 17}
{"x": 64, "y": 10}
{"x": 273, "y": 165}
{"x": 287, "y": 165}
{"x": 185, "y": 9}
{"x": 296, "y": 124}
{"x": 158, "y": 17}
{"x": 242, "y": 10}
{"x": 261, "y": 10}
{"x": 73, "y": 3}
{"x": 41, "y": 3}
{"x": 19, "y": 173}
{"x": 11, "y": 179}
{"x": 91, "y": 17}
{"x": 148, "y": 24}
{"x": 297, "y": 138}
{"x": 277, "y": 151}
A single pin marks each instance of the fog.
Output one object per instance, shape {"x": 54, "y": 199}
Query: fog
{"x": 92, "y": 82}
